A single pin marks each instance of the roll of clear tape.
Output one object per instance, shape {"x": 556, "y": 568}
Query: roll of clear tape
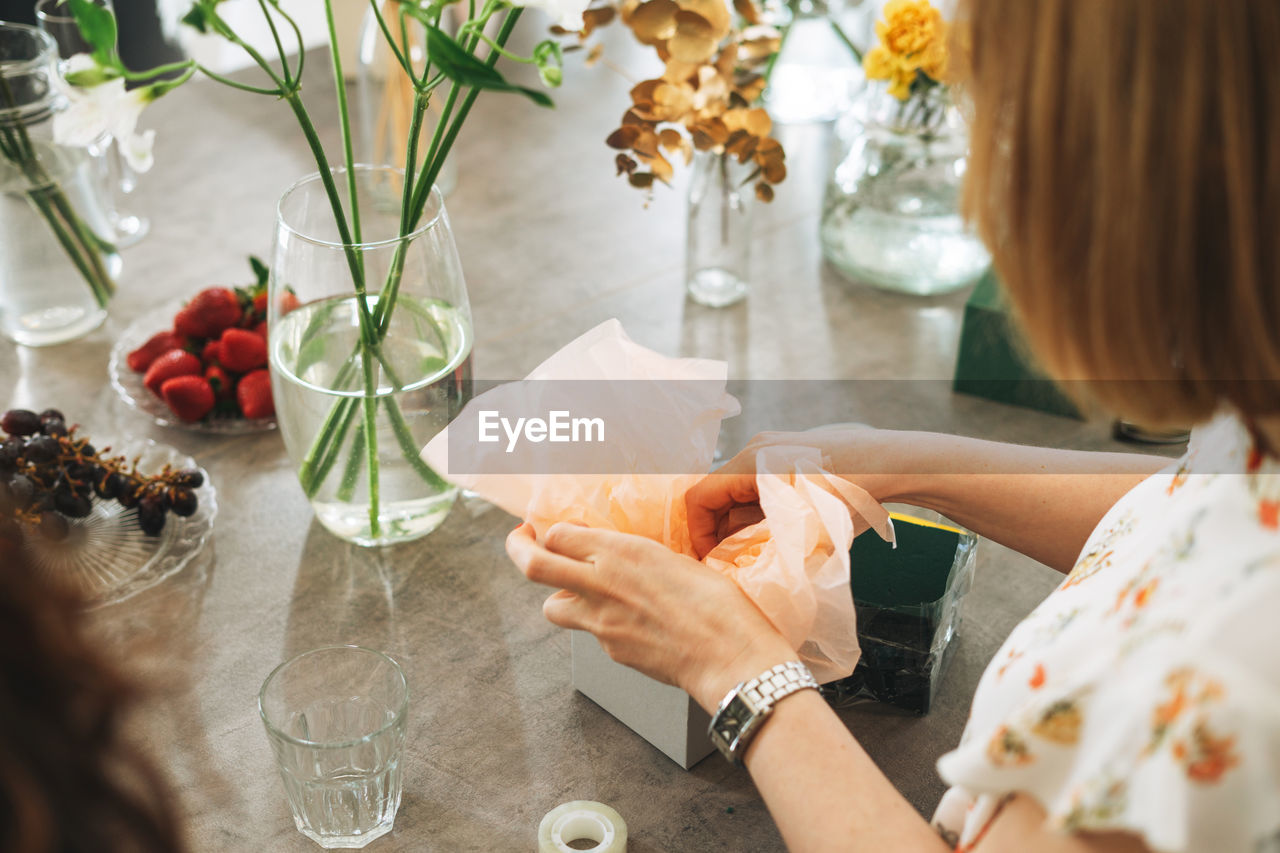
{"x": 582, "y": 820}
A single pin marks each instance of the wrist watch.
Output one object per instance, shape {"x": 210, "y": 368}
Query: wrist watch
{"x": 746, "y": 706}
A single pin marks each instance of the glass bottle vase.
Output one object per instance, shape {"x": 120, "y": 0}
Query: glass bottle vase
{"x": 386, "y": 96}
{"x": 362, "y": 383}
{"x": 718, "y": 237}
{"x": 891, "y": 214}
{"x": 57, "y": 262}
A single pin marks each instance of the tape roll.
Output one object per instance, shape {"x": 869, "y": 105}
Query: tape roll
{"x": 582, "y": 820}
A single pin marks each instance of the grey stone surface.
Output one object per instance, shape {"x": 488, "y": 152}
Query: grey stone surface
{"x": 552, "y": 244}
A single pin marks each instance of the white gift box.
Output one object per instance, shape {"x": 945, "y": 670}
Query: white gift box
{"x": 663, "y": 715}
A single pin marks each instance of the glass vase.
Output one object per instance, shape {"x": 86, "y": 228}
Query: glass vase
{"x": 718, "y": 237}
{"x": 386, "y": 95}
{"x": 362, "y": 382}
{"x": 57, "y": 262}
{"x": 891, "y": 213}
{"x": 816, "y": 74}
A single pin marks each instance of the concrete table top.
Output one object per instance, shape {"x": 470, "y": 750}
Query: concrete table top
{"x": 552, "y": 244}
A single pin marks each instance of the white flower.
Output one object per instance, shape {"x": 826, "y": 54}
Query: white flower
{"x": 567, "y": 13}
{"x": 104, "y": 108}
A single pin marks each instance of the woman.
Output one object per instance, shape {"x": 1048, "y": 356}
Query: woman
{"x": 71, "y": 780}
{"x": 1125, "y": 171}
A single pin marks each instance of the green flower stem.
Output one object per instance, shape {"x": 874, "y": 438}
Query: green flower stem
{"x": 275, "y": 36}
{"x": 347, "y": 486}
{"x": 348, "y": 156}
{"x": 314, "y": 468}
{"x": 413, "y": 453}
{"x": 391, "y": 42}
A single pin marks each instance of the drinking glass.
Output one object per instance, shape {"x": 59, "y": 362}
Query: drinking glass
{"x": 118, "y": 178}
{"x": 335, "y": 717}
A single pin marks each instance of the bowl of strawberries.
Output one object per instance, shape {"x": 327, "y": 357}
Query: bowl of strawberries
{"x": 201, "y": 364}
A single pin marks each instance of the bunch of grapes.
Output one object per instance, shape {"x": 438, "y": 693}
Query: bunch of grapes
{"x": 48, "y": 474}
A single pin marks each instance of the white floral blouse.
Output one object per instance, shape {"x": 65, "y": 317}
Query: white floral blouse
{"x": 1143, "y": 694}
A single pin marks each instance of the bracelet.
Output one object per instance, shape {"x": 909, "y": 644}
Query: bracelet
{"x": 746, "y": 707}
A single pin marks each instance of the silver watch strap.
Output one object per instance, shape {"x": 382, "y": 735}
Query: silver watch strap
{"x": 778, "y": 681}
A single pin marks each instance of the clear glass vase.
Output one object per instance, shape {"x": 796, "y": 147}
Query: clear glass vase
{"x": 816, "y": 75}
{"x": 362, "y": 383}
{"x": 386, "y": 96}
{"x": 891, "y": 214}
{"x": 718, "y": 239}
{"x": 57, "y": 262}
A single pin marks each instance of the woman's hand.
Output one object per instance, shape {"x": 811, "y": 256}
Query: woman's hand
{"x": 659, "y": 612}
{"x": 726, "y": 500}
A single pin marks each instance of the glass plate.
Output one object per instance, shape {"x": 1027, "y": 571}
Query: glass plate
{"x": 130, "y": 388}
{"x": 107, "y": 556}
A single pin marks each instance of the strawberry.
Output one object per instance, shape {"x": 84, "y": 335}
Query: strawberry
{"x": 208, "y": 313}
{"x": 260, "y": 305}
{"x": 211, "y": 352}
{"x": 241, "y": 350}
{"x": 157, "y": 345}
{"x": 261, "y": 330}
{"x": 188, "y": 397}
{"x": 253, "y": 393}
{"x": 175, "y": 362}
{"x": 224, "y": 387}
{"x": 288, "y": 302}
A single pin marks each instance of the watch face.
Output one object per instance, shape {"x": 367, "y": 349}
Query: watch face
{"x": 729, "y": 723}
{"x": 735, "y": 715}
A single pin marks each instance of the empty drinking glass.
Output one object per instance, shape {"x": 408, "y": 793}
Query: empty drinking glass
{"x": 335, "y": 717}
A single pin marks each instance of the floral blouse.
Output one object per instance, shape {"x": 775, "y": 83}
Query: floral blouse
{"x": 1143, "y": 694}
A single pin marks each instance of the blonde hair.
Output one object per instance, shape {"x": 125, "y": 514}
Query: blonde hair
{"x": 1125, "y": 171}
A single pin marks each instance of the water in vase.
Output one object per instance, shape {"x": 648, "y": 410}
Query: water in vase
{"x": 418, "y": 382}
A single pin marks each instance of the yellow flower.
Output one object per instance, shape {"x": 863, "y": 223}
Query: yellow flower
{"x": 880, "y": 64}
{"x": 910, "y": 27}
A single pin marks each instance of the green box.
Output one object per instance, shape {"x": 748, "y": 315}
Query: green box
{"x": 908, "y": 607}
{"x": 991, "y": 362}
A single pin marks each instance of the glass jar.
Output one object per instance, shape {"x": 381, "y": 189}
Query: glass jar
{"x": 362, "y": 383}
{"x": 386, "y": 96}
{"x": 57, "y": 264}
{"x": 891, "y": 213}
{"x": 718, "y": 237}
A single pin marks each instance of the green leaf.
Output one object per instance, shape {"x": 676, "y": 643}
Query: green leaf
{"x": 260, "y": 270}
{"x": 466, "y": 70}
{"x": 196, "y": 19}
{"x": 98, "y": 27}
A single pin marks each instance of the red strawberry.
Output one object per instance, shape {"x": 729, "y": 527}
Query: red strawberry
{"x": 157, "y": 345}
{"x": 188, "y": 397}
{"x": 261, "y": 330}
{"x": 242, "y": 350}
{"x": 224, "y": 387}
{"x": 208, "y": 313}
{"x": 253, "y": 393}
{"x": 288, "y": 302}
{"x": 176, "y": 362}
{"x": 211, "y": 352}
{"x": 260, "y": 305}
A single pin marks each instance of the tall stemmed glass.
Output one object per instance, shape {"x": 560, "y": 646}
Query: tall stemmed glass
{"x": 119, "y": 179}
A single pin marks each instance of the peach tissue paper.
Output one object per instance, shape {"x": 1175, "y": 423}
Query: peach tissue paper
{"x": 661, "y": 418}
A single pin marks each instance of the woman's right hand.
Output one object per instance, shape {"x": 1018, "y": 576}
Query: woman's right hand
{"x": 726, "y": 500}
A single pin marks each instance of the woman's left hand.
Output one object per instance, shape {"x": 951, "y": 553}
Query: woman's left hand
{"x": 659, "y": 612}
